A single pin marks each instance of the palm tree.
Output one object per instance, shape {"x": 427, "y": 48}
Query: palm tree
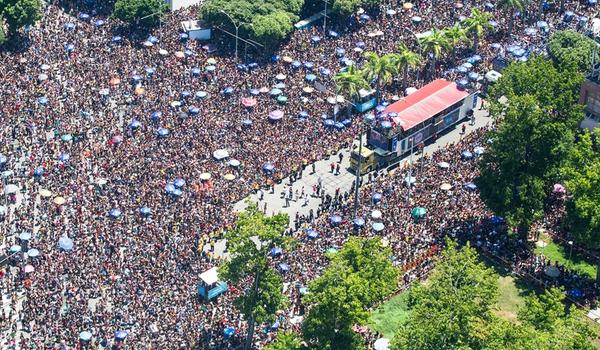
{"x": 455, "y": 35}
{"x": 433, "y": 45}
{"x": 405, "y": 60}
{"x": 349, "y": 83}
{"x": 477, "y": 24}
{"x": 510, "y": 6}
{"x": 379, "y": 69}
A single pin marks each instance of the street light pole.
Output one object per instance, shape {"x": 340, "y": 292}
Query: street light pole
{"x": 356, "y": 188}
{"x": 409, "y": 178}
{"x": 237, "y": 27}
{"x": 325, "y": 17}
{"x": 570, "y": 252}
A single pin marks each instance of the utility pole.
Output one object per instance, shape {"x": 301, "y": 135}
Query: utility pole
{"x": 325, "y": 17}
{"x": 356, "y": 188}
{"x": 409, "y": 178}
{"x": 237, "y": 27}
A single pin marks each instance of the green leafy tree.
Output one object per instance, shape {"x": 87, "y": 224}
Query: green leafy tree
{"x": 456, "y": 35}
{"x": 451, "y": 309}
{"x": 249, "y": 243}
{"x": 270, "y": 29}
{"x": 286, "y": 341}
{"x": 359, "y": 275}
{"x": 20, "y": 13}
{"x": 535, "y": 133}
{"x": 434, "y": 45}
{"x": 2, "y": 33}
{"x": 344, "y": 8}
{"x": 570, "y": 47}
{"x": 582, "y": 179}
{"x": 510, "y": 7}
{"x": 405, "y": 60}
{"x": 143, "y": 13}
{"x": 379, "y": 69}
{"x": 477, "y": 24}
{"x": 349, "y": 83}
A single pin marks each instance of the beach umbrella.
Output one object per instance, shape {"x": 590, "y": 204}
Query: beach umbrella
{"x": 311, "y": 233}
{"x": 201, "y": 94}
{"x": 242, "y": 67}
{"x": 315, "y": 39}
{"x": 64, "y": 157}
{"x": 183, "y": 36}
{"x": 530, "y": 31}
{"x": 339, "y": 52}
{"x": 296, "y": 64}
{"x": 302, "y": 114}
{"x": 280, "y": 86}
{"x": 325, "y": 71}
{"x": 84, "y": 16}
{"x": 120, "y": 335}
{"x": 210, "y": 68}
{"x": 135, "y": 124}
{"x": 275, "y": 92}
{"x": 473, "y": 76}
{"x": 497, "y": 220}
{"x": 28, "y": 268}
{"x": 391, "y": 12}
{"x": 359, "y": 222}
{"x": 287, "y": 59}
{"x": 445, "y": 186}
{"x": 268, "y": 167}
{"x": 333, "y": 34}
{"x": 520, "y": 52}
{"x": 221, "y": 154}
{"x": 418, "y": 212}
{"x": 69, "y": 47}
{"x": 228, "y": 91}
{"x": 44, "y": 67}
{"x": 308, "y": 90}
{"x": 179, "y": 182}
{"x": 252, "y": 65}
{"x": 329, "y": 123}
{"x": 229, "y": 177}
{"x": 364, "y": 17}
{"x": 115, "y": 213}
{"x": 3, "y": 160}
{"x": 254, "y": 92}
{"x": 228, "y": 331}
{"x": 276, "y": 115}
{"x": 462, "y": 83}
{"x": 247, "y": 123}
{"x": 416, "y": 19}
{"x": 470, "y": 186}
{"x": 66, "y": 137}
{"x": 335, "y": 219}
{"x": 43, "y": 100}
{"x": 45, "y": 193}
{"x": 149, "y": 70}
{"x": 409, "y": 180}
{"x": 10, "y": 189}
{"x": 85, "y": 336}
{"x": 309, "y": 65}
{"x": 386, "y": 124}
{"x": 496, "y": 46}
{"x": 381, "y": 344}
{"x": 15, "y": 248}
{"x": 407, "y": 6}
{"x": 339, "y": 126}
{"x": 283, "y": 267}
{"x": 116, "y": 39}
{"x": 376, "y": 214}
{"x": 489, "y": 6}
{"x": 234, "y": 163}
{"x": 193, "y": 110}
{"x": 65, "y": 243}
{"x": 145, "y": 211}
{"x": 248, "y": 102}
{"x": 33, "y": 253}
{"x": 310, "y": 77}
{"x": 280, "y": 76}
{"x": 170, "y": 188}
{"x": 592, "y": 2}
{"x": 461, "y": 70}
{"x": 558, "y": 188}
{"x": 478, "y": 150}
{"x": 39, "y": 171}
{"x": 99, "y": 23}
{"x": 282, "y": 99}
{"x": 275, "y": 58}
{"x": 276, "y": 251}
{"x": 576, "y": 293}
{"x": 117, "y": 139}
{"x": 466, "y": 155}
{"x": 541, "y": 24}
{"x": 162, "y": 132}
{"x": 59, "y": 200}
{"x": 69, "y": 26}
{"x": 378, "y": 227}
{"x": 568, "y": 17}
{"x": 360, "y": 44}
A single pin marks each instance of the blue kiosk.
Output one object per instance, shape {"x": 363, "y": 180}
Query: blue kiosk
{"x": 209, "y": 286}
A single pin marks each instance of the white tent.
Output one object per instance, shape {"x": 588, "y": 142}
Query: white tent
{"x": 210, "y": 277}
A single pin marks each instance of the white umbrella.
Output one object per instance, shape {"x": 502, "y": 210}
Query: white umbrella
{"x": 410, "y": 180}
{"x": 163, "y": 52}
{"x": 443, "y": 165}
{"x": 220, "y": 154}
{"x": 10, "y": 189}
{"x": 376, "y": 214}
{"x": 381, "y": 344}
{"x": 445, "y": 186}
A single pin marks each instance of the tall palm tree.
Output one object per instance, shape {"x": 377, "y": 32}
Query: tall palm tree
{"x": 434, "y": 45}
{"x": 477, "y": 24}
{"x": 349, "y": 83}
{"x": 379, "y": 69}
{"x": 511, "y": 6}
{"x": 455, "y": 35}
{"x": 405, "y": 60}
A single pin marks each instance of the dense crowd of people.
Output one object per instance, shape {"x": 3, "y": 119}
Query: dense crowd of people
{"x": 97, "y": 123}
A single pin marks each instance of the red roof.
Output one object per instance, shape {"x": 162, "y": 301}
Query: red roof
{"x": 426, "y": 102}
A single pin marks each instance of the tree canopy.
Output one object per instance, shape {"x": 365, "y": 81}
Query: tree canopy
{"x": 140, "y": 12}
{"x": 582, "y": 179}
{"x": 359, "y": 275}
{"x": 536, "y": 130}
{"x": 19, "y": 13}
{"x": 249, "y": 243}
{"x": 570, "y": 47}
{"x": 265, "y": 21}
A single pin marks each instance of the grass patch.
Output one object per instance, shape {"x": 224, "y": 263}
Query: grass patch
{"x": 389, "y": 316}
{"x": 557, "y": 252}
{"x": 512, "y": 297}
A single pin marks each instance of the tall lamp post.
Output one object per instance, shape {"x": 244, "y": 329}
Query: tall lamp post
{"x": 363, "y": 123}
{"x": 237, "y": 27}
